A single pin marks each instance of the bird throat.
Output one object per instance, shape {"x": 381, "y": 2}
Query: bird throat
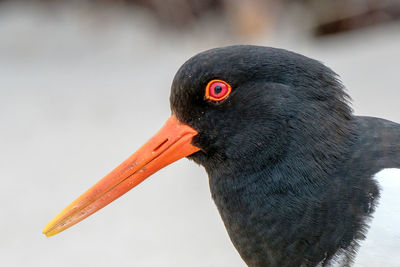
{"x": 281, "y": 209}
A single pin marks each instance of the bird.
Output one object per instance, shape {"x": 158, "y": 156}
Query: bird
{"x": 294, "y": 174}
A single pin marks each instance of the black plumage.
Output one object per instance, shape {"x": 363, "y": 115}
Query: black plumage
{"x": 290, "y": 167}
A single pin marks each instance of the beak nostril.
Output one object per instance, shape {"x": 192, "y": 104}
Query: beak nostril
{"x": 160, "y": 145}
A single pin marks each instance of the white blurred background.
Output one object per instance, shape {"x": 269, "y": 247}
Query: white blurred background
{"x": 84, "y": 84}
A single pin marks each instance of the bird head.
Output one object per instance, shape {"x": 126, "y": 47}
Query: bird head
{"x": 267, "y": 102}
{"x": 234, "y": 108}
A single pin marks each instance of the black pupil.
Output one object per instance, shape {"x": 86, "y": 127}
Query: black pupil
{"x": 217, "y": 89}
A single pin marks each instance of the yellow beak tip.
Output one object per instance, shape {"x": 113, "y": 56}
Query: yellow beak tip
{"x": 48, "y": 232}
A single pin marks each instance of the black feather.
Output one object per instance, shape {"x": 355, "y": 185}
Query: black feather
{"x": 290, "y": 167}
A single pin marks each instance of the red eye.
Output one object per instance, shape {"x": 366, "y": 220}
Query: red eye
{"x": 217, "y": 90}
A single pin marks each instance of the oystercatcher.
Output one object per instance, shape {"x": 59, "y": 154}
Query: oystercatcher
{"x": 292, "y": 171}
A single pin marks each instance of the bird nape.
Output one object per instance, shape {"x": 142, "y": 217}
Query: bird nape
{"x": 291, "y": 169}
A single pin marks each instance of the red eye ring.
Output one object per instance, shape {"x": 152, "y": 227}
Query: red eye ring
{"x": 217, "y": 90}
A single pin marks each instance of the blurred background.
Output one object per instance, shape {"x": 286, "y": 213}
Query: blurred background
{"x": 84, "y": 83}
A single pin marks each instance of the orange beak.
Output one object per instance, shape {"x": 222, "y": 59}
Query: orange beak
{"x": 171, "y": 143}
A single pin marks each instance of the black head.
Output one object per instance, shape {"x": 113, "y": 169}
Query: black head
{"x": 281, "y": 103}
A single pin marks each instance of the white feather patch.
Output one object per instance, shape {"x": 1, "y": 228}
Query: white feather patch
{"x": 382, "y": 245}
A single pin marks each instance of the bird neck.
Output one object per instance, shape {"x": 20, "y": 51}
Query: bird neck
{"x": 304, "y": 163}
{"x": 301, "y": 199}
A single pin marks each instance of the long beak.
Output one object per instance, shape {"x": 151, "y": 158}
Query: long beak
{"x": 171, "y": 143}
